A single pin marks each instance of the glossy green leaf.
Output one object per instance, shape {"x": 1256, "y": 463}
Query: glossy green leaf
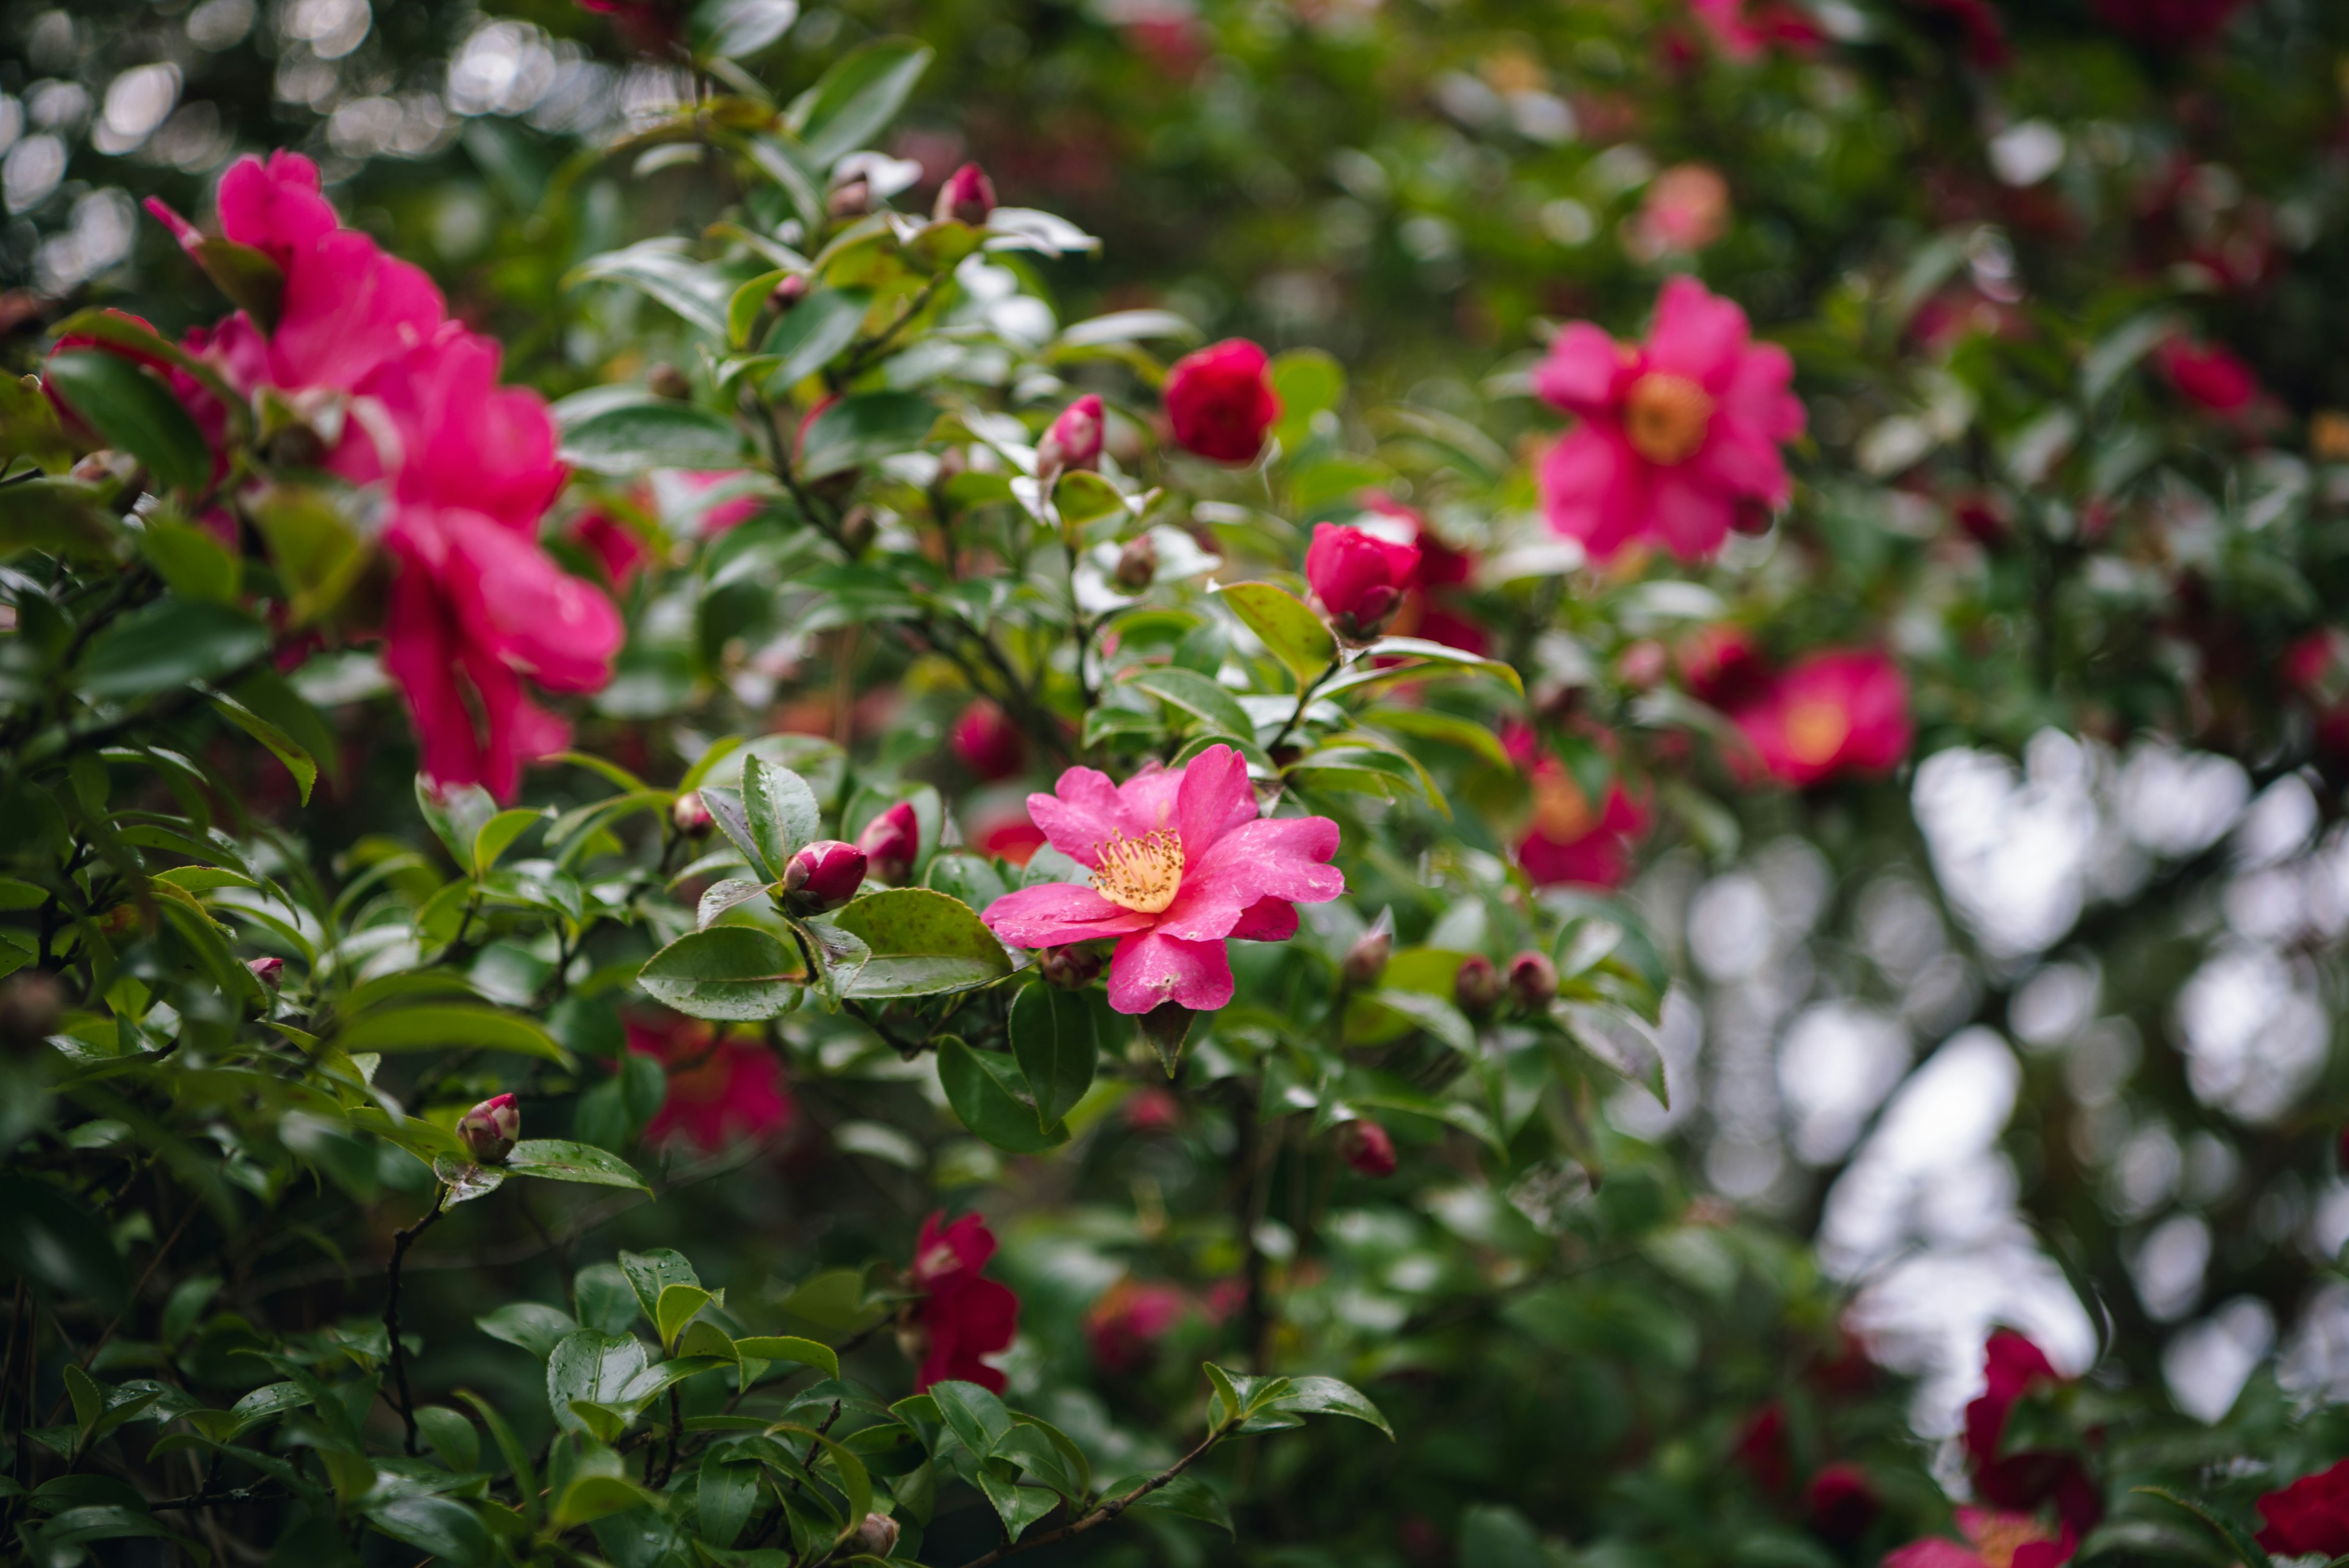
{"x": 1054, "y": 1039}
{"x": 923, "y": 943}
{"x": 252, "y": 282}
{"x": 1293, "y": 633}
{"x": 990, "y": 1094}
{"x": 1198, "y": 696}
{"x": 590, "y": 1365}
{"x": 857, "y": 98}
{"x": 727, "y": 972}
{"x": 656, "y": 433}
{"x": 740, "y": 28}
{"x": 811, "y": 333}
{"x": 450, "y": 1028}
{"x": 973, "y": 1414}
{"x": 557, "y": 1159}
{"x": 864, "y": 428}
{"x": 131, "y": 409}
{"x": 677, "y": 1305}
{"x": 726, "y": 1495}
{"x": 780, "y": 809}
{"x": 789, "y": 1347}
{"x": 318, "y": 551}
{"x": 442, "y": 1527}
{"x": 168, "y": 644}
{"x": 534, "y": 1326}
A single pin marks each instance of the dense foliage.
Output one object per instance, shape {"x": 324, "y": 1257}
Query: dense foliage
{"x": 1290, "y": 782}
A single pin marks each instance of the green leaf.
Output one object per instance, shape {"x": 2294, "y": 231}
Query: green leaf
{"x": 740, "y": 28}
{"x": 1328, "y": 1396}
{"x": 1053, "y": 1036}
{"x": 726, "y": 808}
{"x": 1428, "y": 724}
{"x": 168, "y": 645}
{"x": 1198, "y": 696}
{"x": 657, "y": 434}
{"x": 532, "y": 1325}
{"x": 190, "y": 561}
{"x": 594, "y": 1497}
{"x": 455, "y": 815}
{"x": 451, "y": 1436}
{"x": 450, "y": 1027}
{"x": 779, "y": 810}
{"x": 973, "y": 1414}
{"x": 603, "y": 1298}
{"x": 2247, "y": 1550}
{"x": 924, "y": 943}
{"x": 727, "y": 1491}
{"x": 789, "y": 1347}
{"x": 517, "y": 1458}
{"x": 498, "y": 835}
{"x": 1046, "y": 1453}
{"x": 735, "y": 973}
{"x": 658, "y": 267}
{"x": 440, "y": 1526}
{"x": 466, "y": 1180}
{"x": 51, "y": 1238}
{"x": 1294, "y": 634}
{"x": 987, "y": 1091}
{"x": 1366, "y": 673}
{"x": 811, "y": 332}
{"x": 88, "y": 1400}
{"x": 591, "y": 1366}
{"x": 556, "y": 1159}
{"x": 864, "y": 428}
{"x": 252, "y": 282}
{"x": 318, "y": 552}
{"x": 650, "y": 1273}
{"x": 1017, "y": 1506}
{"x": 857, "y": 98}
{"x": 742, "y": 309}
{"x": 29, "y": 427}
{"x": 1616, "y": 1040}
{"x": 58, "y": 517}
{"x": 1185, "y": 1497}
{"x": 677, "y": 1306}
{"x": 1308, "y": 381}
{"x": 283, "y": 746}
{"x": 133, "y": 410}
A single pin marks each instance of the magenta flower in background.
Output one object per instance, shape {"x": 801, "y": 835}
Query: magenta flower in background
{"x": 1220, "y": 402}
{"x": 2311, "y": 1516}
{"x": 2209, "y": 374}
{"x": 719, "y": 1090}
{"x": 1679, "y": 436}
{"x": 961, "y": 1317}
{"x": 1839, "y": 712}
{"x": 1124, "y": 1327}
{"x": 1180, "y": 862}
{"x": 1993, "y": 1540}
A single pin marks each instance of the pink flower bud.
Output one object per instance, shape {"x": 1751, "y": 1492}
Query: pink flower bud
{"x": 791, "y": 291}
{"x": 967, "y": 196}
{"x": 1359, "y": 577}
{"x": 890, "y": 841}
{"x": 1367, "y": 1148}
{"x": 691, "y": 816}
{"x": 490, "y": 1128}
{"x": 825, "y": 874}
{"x": 1533, "y": 980}
{"x": 1220, "y": 402}
{"x": 1074, "y": 439}
{"x": 1477, "y": 985}
{"x": 1367, "y": 958}
{"x": 989, "y": 742}
{"x": 269, "y": 971}
{"x": 877, "y": 1536}
{"x": 1070, "y": 968}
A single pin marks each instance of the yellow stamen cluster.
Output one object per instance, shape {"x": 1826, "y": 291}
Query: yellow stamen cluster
{"x": 1996, "y": 1541}
{"x": 1140, "y": 873}
{"x": 1665, "y": 417}
{"x": 1816, "y": 731}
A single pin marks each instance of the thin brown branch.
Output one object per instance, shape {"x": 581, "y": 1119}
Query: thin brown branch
{"x": 1106, "y": 1512}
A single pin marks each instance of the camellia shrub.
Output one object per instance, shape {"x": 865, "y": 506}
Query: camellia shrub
{"x": 903, "y": 929}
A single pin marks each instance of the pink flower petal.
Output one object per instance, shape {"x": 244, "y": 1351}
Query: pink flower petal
{"x": 1267, "y": 920}
{"x": 1689, "y": 515}
{"x": 420, "y": 644}
{"x": 1593, "y": 488}
{"x": 1080, "y": 816}
{"x": 348, "y": 308}
{"x": 1758, "y": 396}
{"x": 1273, "y": 857}
{"x": 1581, "y": 372}
{"x": 1053, "y": 914}
{"x": 1931, "y": 1552}
{"x": 1147, "y": 799}
{"x": 1697, "y": 334}
{"x": 275, "y": 207}
{"x": 1149, "y": 969}
{"x": 517, "y": 602}
{"x": 1212, "y": 799}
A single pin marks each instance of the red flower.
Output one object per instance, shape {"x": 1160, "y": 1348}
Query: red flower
{"x": 1124, "y": 1327}
{"x": 1841, "y": 1502}
{"x": 825, "y": 874}
{"x": 1360, "y": 578}
{"x": 2311, "y": 1515}
{"x": 2167, "y": 23}
{"x": 1743, "y": 30}
{"x": 1761, "y": 1449}
{"x": 989, "y": 742}
{"x": 2011, "y": 1368}
{"x": 1569, "y": 844}
{"x": 2209, "y": 374}
{"x": 1221, "y": 402}
{"x": 961, "y": 1317}
{"x": 1992, "y": 1541}
{"x": 1721, "y": 665}
{"x": 719, "y": 1090}
{"x": 1427, "y": 612}
{"x": 617, "y": 548}
{"x": 1679, "y": 436}
{"x": 1367, "y": 1148}
{"x": 1840, "y": 712}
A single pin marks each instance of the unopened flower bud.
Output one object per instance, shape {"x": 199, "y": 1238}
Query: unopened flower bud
{"x": 967, "y": 196}
{"x": 890, "y": 841}
{"x": 103, "y": 466}
{"x": 988, "y": 742}
{"x": 1137, "y": 564}
{"x": 1070, "y": 968}
{"x": 1533, "y": 980}
{"x": 31, "y": 1005}
{"x": 1367, "y": 958}
{"x": 1477, "y": 985}
{"x": 1074, "y": 439}
{"x": 825, "y": 874}
{"x": 791, "y": 291}
{"x": 691, "y": 814}
{"x": 857, "y": 528}
{"x": 877, "y": 1536}
{"x": 490, "y": 1128}
{"x": 1367, "y": 1148}
{"x": 269, "y": 971}
{"x": 1360, "y": 578}
{"x": 851, "y": 199}
{"x": 668, "y": 381}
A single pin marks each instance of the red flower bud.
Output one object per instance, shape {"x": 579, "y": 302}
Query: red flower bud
{"x": 1840, "y": 1503}
{"x": 791, "y": 291}
{"x": 1070, "y": 968}
{"x": 1221, "y": 402}
{"x": 1137, "y": 564}
{"x": 1533, "y": 980}
{"x": 967, "y": 196}
{"x": 1366, "y": 1147}
{"x": 989, "y": 742}
{"x": 490, "y": 1128}
{"x": 1074, "y": 439}
{"x": 825, "y": 874}
{"x": 691, "y": 816}
{"x": 1477, "y": 985}
{"x": 890, "y": 841}
{"x": 1359, "y": 577}
{"x": 269, "y": 971}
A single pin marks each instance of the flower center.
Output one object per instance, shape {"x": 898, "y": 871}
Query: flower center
{"x": 1141, "y": 874}
{"x": 1996, "y": 1541}
{"x": 1561, "y": 814}
{"x": 1665, "y": 417}
{"x": 1816, "y": 731}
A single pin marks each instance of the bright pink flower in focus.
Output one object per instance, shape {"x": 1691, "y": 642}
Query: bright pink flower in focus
{"x": 1679, "y": 436}
{"x": 1124, "y": 1327}
{"x": 1360, "y": 578}
{"x": 719, "y": 1090}
{"x": 961, "y": 1317}
{"x": 1993, "y": 1540}
{"x": 1841, "y": 712}
{"x": 1427, "y": 611}
{"x": 2209, "y": 374}
{"x": 1181, "y": 861}
{"x": 989, "y": 742}
{"x": 2309, "y": 1516}
{"x": 1221, "y": 402}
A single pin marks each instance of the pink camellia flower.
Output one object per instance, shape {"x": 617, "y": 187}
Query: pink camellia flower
{"x": 2011, "y": 1368}
{"x": 1840, "y": 712}
{"x": 719, "y": 1090}
{"x": 1841, "y": 1502}
{"x": 891, "y": 841}
{"x": 989, "y": 742}
{"x": 1074, "y": 439}
{"x": 1686, "y": 209}
{"x": 1124, "y": 1326}
{"x": 617, "y": 548}
{"x": 1180, "y": 862}
{"x": 824, "y": 875}
{"x": 1568, "y": 843}
{"x": 1679, "y": 436}
{"x": 489, "y": 1130}
{"x": 967, "y": 196}
{"x": 1221, "y": 402}
{"x": 961, "y": 1317}
{"x": 2167, "y": 23}
{"x": 1993, "y": 1540}
{"x": 1360, "y": 578}
{"x": 2209, "y": 374}
{"x": 1367, "y": 1148}
{"x": 2309, "y": 1516}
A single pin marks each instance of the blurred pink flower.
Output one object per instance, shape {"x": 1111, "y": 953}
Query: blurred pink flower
{"x": 961, "y": 1317}
{"x": 2209, "y": 375}
{"x": 1678, "y": 435}
{"x": 1220, "y": 402}
{"x": 1686, "y": 208}
{"x": 1993, "y": 1540}
{"x": 1838, "y": 712}
{"x": 2311, "y": 1516}
{"x": 1124, "y": 1326}
{"x": 1744, "y": 29}
{"x": 1181, "y": 861}
{"x": 719, "y": 1090}
{"x": 989, "y": 742}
